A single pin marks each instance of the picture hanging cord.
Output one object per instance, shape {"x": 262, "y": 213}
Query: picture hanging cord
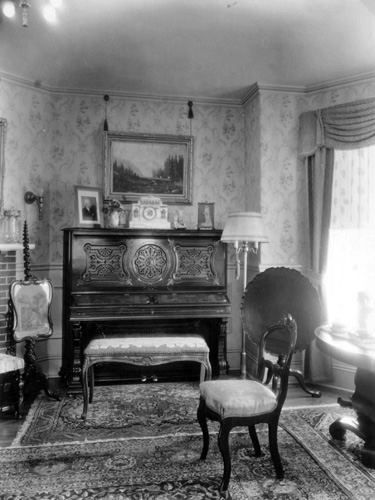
{"x": 190, "y": 114}
{"x": 106, "y": 98}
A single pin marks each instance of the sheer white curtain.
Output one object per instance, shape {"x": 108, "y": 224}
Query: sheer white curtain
{"x": 350, "y": 274}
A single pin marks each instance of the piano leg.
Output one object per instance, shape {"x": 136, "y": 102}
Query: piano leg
{"x": 72, "y": 371}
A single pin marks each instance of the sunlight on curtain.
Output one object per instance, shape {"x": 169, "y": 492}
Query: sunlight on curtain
{"x": 350, "y": 277}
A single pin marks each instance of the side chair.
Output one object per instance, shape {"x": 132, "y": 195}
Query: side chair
{"x": 235, "y": 403}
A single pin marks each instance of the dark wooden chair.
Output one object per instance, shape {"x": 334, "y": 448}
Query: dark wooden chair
{"x": 274, "y": 293}
{"x": 235, "y": 403}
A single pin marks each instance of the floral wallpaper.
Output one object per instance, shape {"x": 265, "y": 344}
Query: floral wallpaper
{"x": 54, "y": 142}
{"x": 275, "y": 176}
{"x": 245, "y": 158}
{"x": 282, "y": 185}
{"x": 252, "y": 155}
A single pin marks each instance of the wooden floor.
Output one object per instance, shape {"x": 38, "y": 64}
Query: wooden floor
{"x": 9, "y": 426}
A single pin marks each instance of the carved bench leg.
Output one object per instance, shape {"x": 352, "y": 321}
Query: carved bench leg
{"x": 84, "y": 378}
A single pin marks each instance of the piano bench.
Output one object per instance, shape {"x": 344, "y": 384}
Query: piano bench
{"x": 143, "y": 351}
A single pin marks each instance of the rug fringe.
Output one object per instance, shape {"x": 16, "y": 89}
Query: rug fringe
{"x": 306, "y": 407}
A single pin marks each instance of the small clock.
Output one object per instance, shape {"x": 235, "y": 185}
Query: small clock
{"x": 151, "y": 213}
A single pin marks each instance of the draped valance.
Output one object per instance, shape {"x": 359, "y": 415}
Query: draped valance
{"x": 345, "y": 126}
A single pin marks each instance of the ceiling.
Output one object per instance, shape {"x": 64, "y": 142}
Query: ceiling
{"x": 196, "y": 49}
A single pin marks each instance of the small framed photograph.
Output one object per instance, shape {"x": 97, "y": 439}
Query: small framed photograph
{"x": 206, "y": 215}
{"x": 88, "y": 206}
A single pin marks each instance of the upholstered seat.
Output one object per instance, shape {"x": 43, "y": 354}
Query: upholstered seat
{"x": 143, "y": 350}
{"x": 148, "y": 345}
{"x": 10, "y": 363}
{"x": 238, "y": 398}
{"x": 11, "y": 383}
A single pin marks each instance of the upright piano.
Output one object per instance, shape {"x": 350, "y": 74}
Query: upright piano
{"x": 118, "y": 279}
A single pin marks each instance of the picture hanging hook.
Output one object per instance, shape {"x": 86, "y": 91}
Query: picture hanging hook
{"x": 190, "y": 114}
{"x": 106, "y": 98}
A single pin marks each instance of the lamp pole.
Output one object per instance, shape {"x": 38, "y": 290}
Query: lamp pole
{"x": 245, "y": 250}
{"x": 244, "y": 227}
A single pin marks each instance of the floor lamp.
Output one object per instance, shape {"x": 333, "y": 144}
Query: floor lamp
{"x": 242, "y": 228}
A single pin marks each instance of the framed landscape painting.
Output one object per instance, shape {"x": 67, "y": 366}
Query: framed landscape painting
{"x": 137, "y": 165}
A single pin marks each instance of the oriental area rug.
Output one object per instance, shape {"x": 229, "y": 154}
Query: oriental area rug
{"x": 143, "y": 443}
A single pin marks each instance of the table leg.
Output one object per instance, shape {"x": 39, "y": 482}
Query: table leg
{"x": 363, "y": 402}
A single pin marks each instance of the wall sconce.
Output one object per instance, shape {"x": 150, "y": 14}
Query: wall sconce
{"x": 31, "y": 197}
{"x": 244, "y": 228}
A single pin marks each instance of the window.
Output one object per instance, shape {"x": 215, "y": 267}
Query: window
{"x": 350, "y": 277}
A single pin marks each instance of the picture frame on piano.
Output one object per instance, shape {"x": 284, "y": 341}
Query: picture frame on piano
{"x": 137, "y": 165}
{"x": 206, "y": 215}
{"x": 88, "y": 206}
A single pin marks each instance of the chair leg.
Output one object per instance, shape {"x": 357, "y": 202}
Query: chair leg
{"x": 202, "y": 373}
{"x": 201, "y": 415}
{"x": 274, "y": 449}
{"x": 223, "y": 441}
{"x": 92, "y": 382}
{"x": 255, "y": 440}
{"x": 85, "y": 388}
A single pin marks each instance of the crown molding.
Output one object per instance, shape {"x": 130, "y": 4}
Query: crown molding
{"x": 258, "y": 88}
{"x": 119, "y": 94}
{"x": 252, "y": 91}
{"x": 262, "y": 88}
{"x": 342, "y": 82}
{"x": 6, "y": 77}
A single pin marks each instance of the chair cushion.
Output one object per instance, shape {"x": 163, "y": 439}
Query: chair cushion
{"x": 237, "y": 398}
{"x": 142, "y": 345}
{"x": 10, "y": 363}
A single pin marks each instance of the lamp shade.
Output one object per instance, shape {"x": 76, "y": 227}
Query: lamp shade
{"x": 244, "y": 226}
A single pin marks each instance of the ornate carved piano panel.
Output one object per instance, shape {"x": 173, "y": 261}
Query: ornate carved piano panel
{"x": 129, "y": 279}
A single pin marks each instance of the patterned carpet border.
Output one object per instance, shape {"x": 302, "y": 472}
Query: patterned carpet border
{"x": 118, "y": 411}
{"x": 165, "y": 468}
{"x": 138, "y": 448}
{"x": 340, "y": 460}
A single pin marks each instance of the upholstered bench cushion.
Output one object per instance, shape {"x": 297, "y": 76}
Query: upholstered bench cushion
{"x": 10, "y": 363}
{"x": 237, "y": 398}
{"x": 146, "y": 345}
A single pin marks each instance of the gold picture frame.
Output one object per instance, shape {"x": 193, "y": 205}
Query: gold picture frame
{"x": 137, "y": 165}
